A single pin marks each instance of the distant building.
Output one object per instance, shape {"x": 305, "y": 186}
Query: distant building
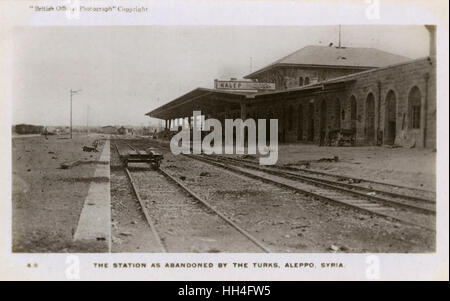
{"x": 109, "y": 129}
{"x": 125, "y": 131}
{"x": 52, "y": 130}
{"x": 28, "y": 129}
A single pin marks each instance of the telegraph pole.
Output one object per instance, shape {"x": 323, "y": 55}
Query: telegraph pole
{"x": 72, "y": 92}
{"x": 339, "y": 45}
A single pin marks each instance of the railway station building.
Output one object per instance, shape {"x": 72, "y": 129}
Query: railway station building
{"x": 324, "y": 95}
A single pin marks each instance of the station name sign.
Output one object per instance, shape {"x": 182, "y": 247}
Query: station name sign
{"x": 242, "y": 85}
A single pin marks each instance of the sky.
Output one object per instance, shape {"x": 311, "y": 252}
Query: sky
{"x": 126, "y": 71}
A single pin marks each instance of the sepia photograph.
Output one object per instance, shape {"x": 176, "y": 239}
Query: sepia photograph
{"x": 94, "y": 166}
{"x": 224, "y": 140}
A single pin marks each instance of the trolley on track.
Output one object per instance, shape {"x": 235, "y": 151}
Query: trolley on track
{"x": 149, "y": 156}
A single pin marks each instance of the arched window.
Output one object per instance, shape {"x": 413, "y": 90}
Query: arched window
{"x": 306, "y": 80}
{"x": 414, "y": 101}
{"x": 300, "y": 81}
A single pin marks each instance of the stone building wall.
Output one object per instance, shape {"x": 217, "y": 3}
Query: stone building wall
{"x": 290, "y": 77}
{"x": 396, "y": 81}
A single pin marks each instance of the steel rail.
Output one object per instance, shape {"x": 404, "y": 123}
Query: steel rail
{"x": 313, "y": 194}
{"x": 141, "y": 203}
{"x": 330, "y": 185}
{"x": 336, "y": 186}
{"x": 368, "y": 181}
{"x": 160, "y": 145}
{"x": 199, "y": 199}
{"x": 218, "y": 213}
{"x": 353, "y": 186}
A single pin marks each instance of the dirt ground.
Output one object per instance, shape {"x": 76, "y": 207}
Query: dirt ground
{"x": 383, "y": 164}
{"x": 47, "y": 200}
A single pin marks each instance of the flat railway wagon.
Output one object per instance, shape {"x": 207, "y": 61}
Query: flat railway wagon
{"x": 148, "y": 156}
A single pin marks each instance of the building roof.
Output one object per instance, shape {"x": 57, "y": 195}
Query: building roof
{"x": 345, "y": 57}
{"x": 185, "y": 104}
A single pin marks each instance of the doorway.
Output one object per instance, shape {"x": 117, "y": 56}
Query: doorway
{"x": 300, "y": 123}
{"x": 269, "y": 116}
{"x": 337, "y": 114}
{"x": 391, "y": 118}
{"x": 311, "y": 122}
{"x": 323, "y": 122}
{"x": 370, "y": 119}
{"x": 353, "y": 110}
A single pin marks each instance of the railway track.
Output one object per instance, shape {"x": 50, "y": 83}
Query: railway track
{"x": 392, "y": 190}
{"x": 415, "y": 203}
{"x": 409, "y": 210}
{"x": 167, "y": 195}
{"x": 406, "y": 209}
{"x": 408, "y": 214}
{"x": 374, "y": 186}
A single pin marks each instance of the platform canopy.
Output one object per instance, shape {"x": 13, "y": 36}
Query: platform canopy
{"x": 213, "y": 101}
{"x": 203, "y": 99}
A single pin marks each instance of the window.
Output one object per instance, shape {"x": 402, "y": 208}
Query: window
{"x": 414, "y": 100}
{"x": 300, "y": 81}
{"x": 306, "y": 80}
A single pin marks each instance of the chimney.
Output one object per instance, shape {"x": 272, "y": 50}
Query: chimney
{"x": 432, "y": 33}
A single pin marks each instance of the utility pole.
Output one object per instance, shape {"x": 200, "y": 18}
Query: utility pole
{"x": 72, "y": 92}
{"x": 339, "y": 44}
